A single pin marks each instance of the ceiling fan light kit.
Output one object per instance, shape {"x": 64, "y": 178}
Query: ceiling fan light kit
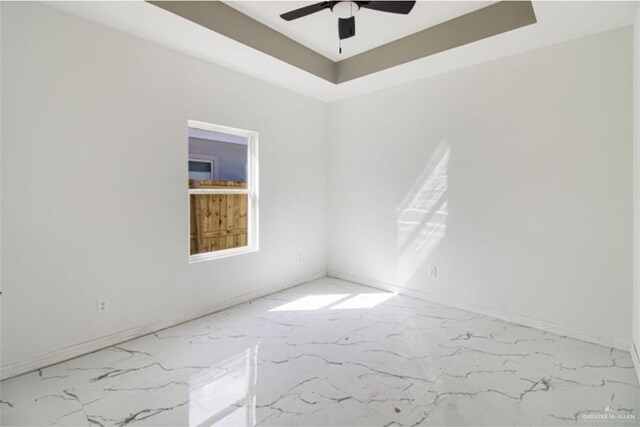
{"x": 345, "y": 11}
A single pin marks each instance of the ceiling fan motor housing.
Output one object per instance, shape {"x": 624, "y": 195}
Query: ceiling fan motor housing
{"x": 345, "y": 9}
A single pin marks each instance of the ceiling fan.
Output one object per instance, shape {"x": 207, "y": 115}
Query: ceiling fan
{"x": 345, "y": 11}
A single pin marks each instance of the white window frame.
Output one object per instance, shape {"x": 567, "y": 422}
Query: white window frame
{"x": 251, "y": 191}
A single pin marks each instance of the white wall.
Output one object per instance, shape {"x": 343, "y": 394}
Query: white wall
{"x": 1, "y": 199}
{"x": 636, "y": 186}
{"x": 87, "y": 218}
{"x": 512, "y": 177}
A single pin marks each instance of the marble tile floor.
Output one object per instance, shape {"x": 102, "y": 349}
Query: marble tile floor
{"x": 333, "y": 353}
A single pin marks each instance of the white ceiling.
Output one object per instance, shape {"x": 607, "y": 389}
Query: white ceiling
{"x": 557, "y": 22}
{"x": 320, "y": 30}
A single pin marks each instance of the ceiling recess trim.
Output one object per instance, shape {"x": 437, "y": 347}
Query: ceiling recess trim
{"x": 217, "y": 16}
{"x": 489, "y": 21}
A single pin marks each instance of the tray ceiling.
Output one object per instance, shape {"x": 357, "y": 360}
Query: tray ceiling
{"x": 556, "y": 22}
{"x": 320, "y": 30}
{"x": 499, "y": 17}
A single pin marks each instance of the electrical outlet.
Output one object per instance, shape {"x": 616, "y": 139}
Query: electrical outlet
{"x": 102, "y": 306}
{"x": 433, "y": 271}
{"x": 299, "y": 257}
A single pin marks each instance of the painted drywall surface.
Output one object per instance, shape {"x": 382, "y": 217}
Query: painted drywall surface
{"x": 232, "y": 158}
{"x": 83, "y": 221}
{"x": 1, "y": 133}
{"x": 636, "y": 182}
{"x": 513, "y": 178}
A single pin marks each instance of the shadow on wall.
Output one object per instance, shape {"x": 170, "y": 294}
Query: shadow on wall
{"x": 422, "y": 215}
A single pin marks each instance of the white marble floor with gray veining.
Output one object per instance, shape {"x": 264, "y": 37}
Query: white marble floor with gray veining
{"x": 333, "y": 353}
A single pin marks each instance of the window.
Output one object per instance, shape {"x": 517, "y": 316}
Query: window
{"x": 223, "y": 191}
{"x": 202, "y": 169}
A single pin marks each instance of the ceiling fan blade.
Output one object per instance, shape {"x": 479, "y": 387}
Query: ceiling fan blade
{"x": 346, "y": 27}
{"x": 304, "y": 11}
{"x": 402, "y": 7}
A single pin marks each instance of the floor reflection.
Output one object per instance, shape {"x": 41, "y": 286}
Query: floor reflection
{"x": 225, "y": 395}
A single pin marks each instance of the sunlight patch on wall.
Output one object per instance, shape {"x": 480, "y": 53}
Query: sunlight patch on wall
{"x": 423, "y": 214}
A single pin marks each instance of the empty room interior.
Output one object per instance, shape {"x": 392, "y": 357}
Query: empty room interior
{"x": 335, "y": 213}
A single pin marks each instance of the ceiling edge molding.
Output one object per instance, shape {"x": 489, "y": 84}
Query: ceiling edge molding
{"x": 489, "y": 21}
{"x": 217, "y": 16}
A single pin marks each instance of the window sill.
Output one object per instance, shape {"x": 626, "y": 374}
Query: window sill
{"x": 224, "y": 253}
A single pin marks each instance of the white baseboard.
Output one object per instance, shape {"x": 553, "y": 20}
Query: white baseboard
{"x": 636, "y": 359}
{"x": 57, "y": 356}
{"x": 531, "y": 322}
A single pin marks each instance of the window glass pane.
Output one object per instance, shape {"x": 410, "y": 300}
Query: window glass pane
{"x": 195, "y": 166}
{"x": 227, "y": 153}
{"x": 218, "y": 221}
{"x": 199, "y": 170}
